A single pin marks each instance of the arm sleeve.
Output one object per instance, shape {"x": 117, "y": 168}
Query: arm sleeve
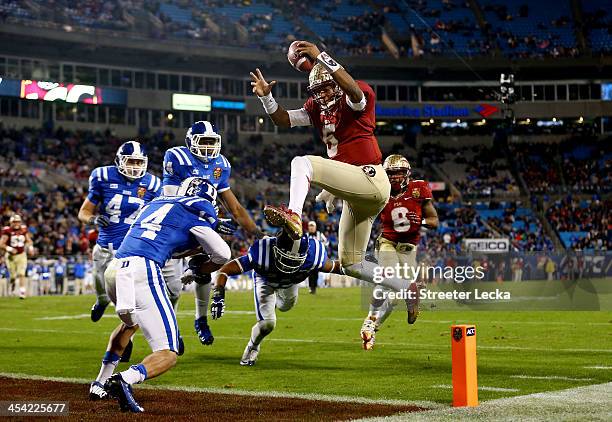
{"x": 299, "y": 117}
{"x": 426, "y": 191}
{"x": 359, "y": 106}
{"x": 212, "y": 244}
{"x": 171, "y": 170}
{"x": 224, "y": 182}
{"x": 245, "y": 262}
{"x": 94, "y": 195}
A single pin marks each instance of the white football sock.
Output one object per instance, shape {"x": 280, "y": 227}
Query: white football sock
{"x": 109, "y": 363}
{"x": 301, "y": 175}
{"x": 260, "y": 331}
{"x": 135, "y": 374}
{"x": 202, "y": 299}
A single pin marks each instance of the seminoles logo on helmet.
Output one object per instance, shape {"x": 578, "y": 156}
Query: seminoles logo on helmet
{"x": 289, "y": 254}
{"x": 203, "y": 140}
{"x": 131, "y": 160}
{"x": 398, "y": 169}
{"x": 322, "y": 88}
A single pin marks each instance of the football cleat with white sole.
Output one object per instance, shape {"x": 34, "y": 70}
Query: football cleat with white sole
{"x": 368, "y": 334}
{"x": 285, "y": 218}
{"x": 249, "y": 357}
{"x": 203, "y": 331}
{"x": 412, "y": 305}
{"x": 97, "y": 392}
{"x": 97, "y": 310}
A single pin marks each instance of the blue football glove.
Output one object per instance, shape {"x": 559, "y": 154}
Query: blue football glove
{"x": 101, "y": 221}
{"x": 226, "y": 226}
{"x": 217, "y": 307}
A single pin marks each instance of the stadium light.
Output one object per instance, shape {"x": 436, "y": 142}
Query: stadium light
{"x": 431, "y": 121}
{"x": 554, "y": 119}
{"x": 580, "y": 119}
{"x": 170, "y": 116}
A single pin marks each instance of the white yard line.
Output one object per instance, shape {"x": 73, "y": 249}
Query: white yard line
{"x": 481, "y": 388}
{"x": 591, "y": 402}
{"x": 322, "y": 341}
{"x": 238, "y": 392}
{"x": 549, "y": 377}
{"x": 598, "y": 367}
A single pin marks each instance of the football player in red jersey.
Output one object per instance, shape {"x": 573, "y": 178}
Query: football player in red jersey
{"x": 343, "y": 112}
{"x": 409, "y": 208}
{"x": 15, "y": 239}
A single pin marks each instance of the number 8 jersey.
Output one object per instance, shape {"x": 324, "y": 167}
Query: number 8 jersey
{"x": 402, "y": 216}
{"x": 120, "y": 200}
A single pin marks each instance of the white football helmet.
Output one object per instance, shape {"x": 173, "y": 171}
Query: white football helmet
{"x": 131, "y": 160}
{"x": 203, "y": 140}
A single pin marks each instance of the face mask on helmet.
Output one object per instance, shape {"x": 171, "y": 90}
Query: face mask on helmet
{"x": 326, "y": 94}
{"x": 323, "y": 88}
{"x": 398, "y": 179}
{"x": 196, "y": 186}
{"x": 131, "y": 160}
{"x": 203, "y": 140}
{"x": 290, "y": 254}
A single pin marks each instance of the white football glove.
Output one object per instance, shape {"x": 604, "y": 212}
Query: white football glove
{"x": 328, "y": 198}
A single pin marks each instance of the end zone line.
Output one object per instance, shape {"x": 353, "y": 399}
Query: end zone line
{"x": 238, "y": 392}
{"x": 481, "y": 388}
{"x": 322, "y": 341}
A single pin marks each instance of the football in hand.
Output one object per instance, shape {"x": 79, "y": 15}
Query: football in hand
{"x": 301, "y": 63}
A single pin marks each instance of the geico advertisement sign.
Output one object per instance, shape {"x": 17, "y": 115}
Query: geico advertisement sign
{"x": 487, "y": 245}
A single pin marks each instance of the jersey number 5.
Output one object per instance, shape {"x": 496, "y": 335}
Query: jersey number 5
{"x": 329, "y": 138}
{"x": 400, "y": 219}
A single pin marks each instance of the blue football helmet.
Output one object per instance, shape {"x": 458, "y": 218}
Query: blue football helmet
{"x": 203, "y": 140}
{"x": 290, "y": 254}
{"x": 197, "y": 186}
{"x": 131, "y": 160}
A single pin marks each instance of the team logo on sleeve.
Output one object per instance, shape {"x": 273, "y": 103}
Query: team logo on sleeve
{"x": 416, "y": 193}
{"x": 169, "y": 168}
{"x": 141, "y": 192}
{"x": 217, "y": 172}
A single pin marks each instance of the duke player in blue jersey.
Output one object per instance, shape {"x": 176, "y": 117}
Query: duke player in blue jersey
{"x": 278, "y": 265}
{"x": 135, "y": 284}
{"x": 116, "y": 194}
{"x": 201, "y": 157}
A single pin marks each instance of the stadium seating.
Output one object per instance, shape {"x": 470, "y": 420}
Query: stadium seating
{"x": 350, "y": 27}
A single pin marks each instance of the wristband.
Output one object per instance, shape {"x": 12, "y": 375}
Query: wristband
{"x": 328, "y": 63}
{"x": 269, "y": 103}
{"x": 219, "y": 291}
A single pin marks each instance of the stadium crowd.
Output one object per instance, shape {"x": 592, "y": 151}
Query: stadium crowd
{"x": 419, "y": 27}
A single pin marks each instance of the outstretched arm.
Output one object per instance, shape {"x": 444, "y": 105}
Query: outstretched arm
{"x": 340, "y": 75}
{"x": 332, "y": 267}
{"x": 239, "y": 213}
{"x": 263, "y": 90}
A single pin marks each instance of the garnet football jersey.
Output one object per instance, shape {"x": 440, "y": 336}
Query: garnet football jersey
{"x": 348, "y": 134}
{"x": 16, "y": 237}
{"x": 402, "y": 216}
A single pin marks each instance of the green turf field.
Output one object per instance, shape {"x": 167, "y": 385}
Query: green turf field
{"x": 316, "y": 348}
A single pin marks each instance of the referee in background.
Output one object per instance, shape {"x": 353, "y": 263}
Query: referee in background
{"x": 315, "y": 234}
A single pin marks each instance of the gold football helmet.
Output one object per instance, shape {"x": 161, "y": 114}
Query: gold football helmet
{"x": 323, "y": 88}
{"x": 398, "y": 169}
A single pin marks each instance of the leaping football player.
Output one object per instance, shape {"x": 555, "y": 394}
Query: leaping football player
{"x": 278, "y": 265}
{"x": 116, "y": 195}
{"x": 17, "y": 243}
{"x": 409, "y": 208}
{"x": 201, "y": 157}
{"x": 343, "y": 112}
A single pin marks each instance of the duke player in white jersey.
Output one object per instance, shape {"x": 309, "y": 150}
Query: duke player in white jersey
{"x": 278, "y": 265}
{"x": 135, "y": 284}
{"x": 116, "y": 194}
{"x": 201, "y": 157}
